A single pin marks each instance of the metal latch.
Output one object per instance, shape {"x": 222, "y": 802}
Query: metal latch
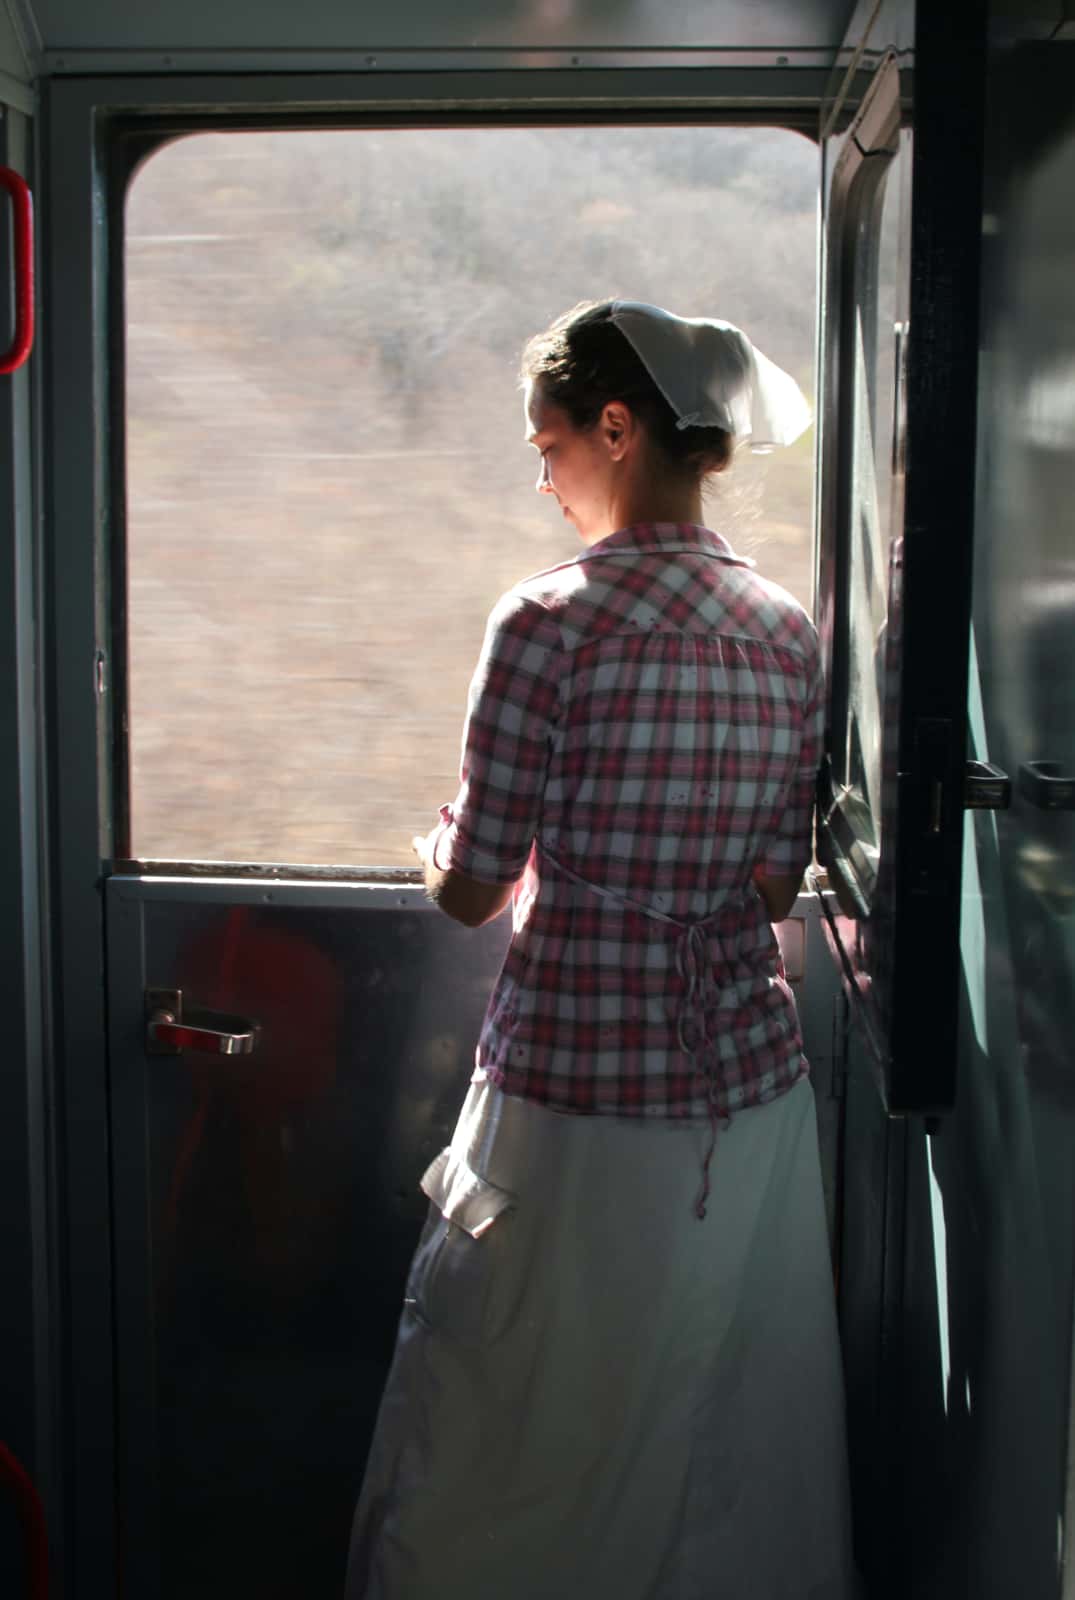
{"x": 986, "y": 788}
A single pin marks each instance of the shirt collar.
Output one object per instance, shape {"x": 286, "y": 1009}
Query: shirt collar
{"x": 665, "y": 538}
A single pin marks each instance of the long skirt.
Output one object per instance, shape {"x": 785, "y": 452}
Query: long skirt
{"x": 596, "y": 1394}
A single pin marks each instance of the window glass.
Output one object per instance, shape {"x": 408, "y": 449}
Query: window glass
{"x": 327, "y": 481}
{"x": 873, "y": 509}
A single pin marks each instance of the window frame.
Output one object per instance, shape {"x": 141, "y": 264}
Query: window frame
{"x": 848, "y": 845}
{"x": 128, "y": 138}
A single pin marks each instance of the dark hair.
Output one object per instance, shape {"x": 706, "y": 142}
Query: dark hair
{"x": 583, "y": 362}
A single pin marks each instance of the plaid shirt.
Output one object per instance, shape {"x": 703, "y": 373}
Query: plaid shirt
{"x": 643, "y": 730}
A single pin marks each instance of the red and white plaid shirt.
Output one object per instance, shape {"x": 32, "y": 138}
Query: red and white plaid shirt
{"x": 644, "y": 728}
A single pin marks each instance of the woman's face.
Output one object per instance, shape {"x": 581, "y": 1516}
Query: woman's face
{"x": 576, "y": 467}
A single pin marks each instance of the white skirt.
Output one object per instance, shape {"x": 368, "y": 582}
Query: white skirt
{"x": 596, "y": 1394}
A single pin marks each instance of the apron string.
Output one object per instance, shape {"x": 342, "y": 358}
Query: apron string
{"x": 691, "y": 948}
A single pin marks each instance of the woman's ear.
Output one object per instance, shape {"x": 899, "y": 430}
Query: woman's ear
{"x": 619, "y": 426}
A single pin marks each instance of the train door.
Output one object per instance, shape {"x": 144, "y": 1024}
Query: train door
{"x": 990, "y": 1193}
{"x": 27, "y": 1408}
{"x": 945, "y": 831}
{"x": 278, "y": 524}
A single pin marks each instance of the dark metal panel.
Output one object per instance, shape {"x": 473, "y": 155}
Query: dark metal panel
{"x": 76, "y": 601}
{"x": 933, "y": 619}
{"x": 266, "y": 1208}
{"x": 26, "y": 1406}
{"x": 808, "y": 70}
{"x": 880, "y": 25}
{"x": 19, "y": 48}
{"x": 279, "y": 25}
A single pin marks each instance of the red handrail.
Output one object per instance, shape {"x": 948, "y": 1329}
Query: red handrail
{"x": 32, "y": 1517}
{"x": 22, "y": 206}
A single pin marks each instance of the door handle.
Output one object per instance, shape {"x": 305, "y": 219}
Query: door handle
{"x": 23, "y": 216}
{"x": 169, "y": 1033}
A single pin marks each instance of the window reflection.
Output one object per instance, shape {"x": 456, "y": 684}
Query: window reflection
{"x": 327, "y": 486}
{"x": 874, "y": 507}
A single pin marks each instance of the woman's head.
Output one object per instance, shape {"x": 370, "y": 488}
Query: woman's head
{"x": 583, "y": 363}
{"x": 633, "y": 408}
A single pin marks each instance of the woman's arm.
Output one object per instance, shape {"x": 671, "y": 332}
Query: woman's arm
{"x": 463, "y": 899}
{"x": 488, "y": 831}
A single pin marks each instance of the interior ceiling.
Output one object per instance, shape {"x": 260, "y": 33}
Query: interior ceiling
{"x": 795, "y": 28}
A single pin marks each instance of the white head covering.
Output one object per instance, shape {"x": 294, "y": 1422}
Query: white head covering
{"x": 712, "y": 376}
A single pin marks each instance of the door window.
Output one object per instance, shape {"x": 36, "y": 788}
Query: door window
{"x": 327, "y": 486}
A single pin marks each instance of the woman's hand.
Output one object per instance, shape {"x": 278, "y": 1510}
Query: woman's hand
{"x": 463, "y": 899}
{"x": 779, "y": 890}
{"x": 423, "y": 846}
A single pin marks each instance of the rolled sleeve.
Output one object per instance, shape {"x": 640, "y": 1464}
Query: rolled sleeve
{"x": 512, "y": 707}
{"x": 790, "y": 848}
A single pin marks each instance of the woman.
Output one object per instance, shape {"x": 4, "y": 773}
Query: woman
{"x": 617, "y": 1370}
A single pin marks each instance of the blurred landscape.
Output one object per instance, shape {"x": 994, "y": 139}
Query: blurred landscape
{"x": 327, "y": 482}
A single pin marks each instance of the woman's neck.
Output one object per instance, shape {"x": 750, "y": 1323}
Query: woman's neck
{"x": 641, "y": 486}
{"x": 647, "y": 497}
